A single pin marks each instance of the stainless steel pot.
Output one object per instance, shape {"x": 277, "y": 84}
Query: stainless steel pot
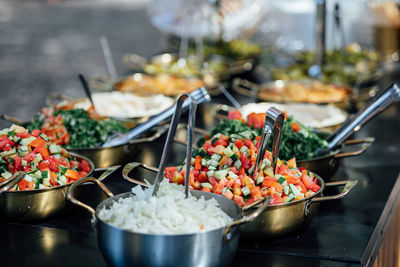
{"x": 126, "y": 248}
{"x": 276, "y": 220}
{"x": 38, "y": 204}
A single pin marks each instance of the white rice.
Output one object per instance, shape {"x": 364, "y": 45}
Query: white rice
{"x": 168, "y": 213}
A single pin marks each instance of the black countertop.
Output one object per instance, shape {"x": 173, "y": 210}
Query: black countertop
{"x": 43, "y": 49}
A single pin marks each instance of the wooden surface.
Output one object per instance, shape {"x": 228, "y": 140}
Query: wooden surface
{"x": 389, "y": 253}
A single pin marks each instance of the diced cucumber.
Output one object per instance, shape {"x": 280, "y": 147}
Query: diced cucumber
{"x": 62, "y": 180}
{"x": 38, "y": 159}
{"x": 246, "y": 134}
{"x": 212, "y": 168}
{"x": 57, "y": 156}
{"x": 24, "y": 163}
{"x": 195, "y": 153}
{"x": 286, "y": 190}
{"x": 220, "y": 174}
{"x": 244, "y": 149}
{"x": 235, "y": 149}
{"x": 6, "y": 174}
{"x": 44, "y": 137}
{"x": 254, "y": 133}
{"x": 291, "y": 199}
{"x": 224, "y": 190}
{"x": 212, "y": 163}
{"x": 179, "y": 168}
{"x": 210, "y": 173}
{"x": 260, "y": 180}
{"x": 55, "y": 149}
{"x": 203, "y": 162}
{"x": 62, "y": 168}
{"x": 251, "y": 170}
{"x": 27, "y": 141}
{"x": 294, "y": 190}
{"x": 8, "y": 153}
{"x": 207, "y": 185}
{"x": 228, "y": 152}
{"x": 46, "y": 175}
{"x": 238, "y": 164}
{"x": 41, "y": 186}
{"x": 234, "y": 157}
{"x": 46, "y": 182}
{"x": 246, "y": 191}
{"x": 233, "y": 175}
{"x": 216, "y": 157}
{"x": 281, "y": 180}
{"x": 23, "y": 149}
{"x": 266, "y": 163}
{"x": 214, "y": 141}
{"x": 28, "y": 178}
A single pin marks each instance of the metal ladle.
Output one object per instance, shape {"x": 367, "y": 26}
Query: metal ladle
{"x": 171, "y": 133}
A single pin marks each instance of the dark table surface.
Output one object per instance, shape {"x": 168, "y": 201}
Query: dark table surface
{"x": 44, "y": 46}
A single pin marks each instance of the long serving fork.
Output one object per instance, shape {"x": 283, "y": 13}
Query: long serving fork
{"x": 180, "y": 102}
{"x": 273, "y": 125}
{"x": 199, "y": 96}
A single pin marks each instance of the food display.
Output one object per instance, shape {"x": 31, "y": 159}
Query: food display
{"x": 297, "y": 141}
{"x": 126, "y": 105}
{"x": 75, "y": 128}
{"x": 341, "y": 67}
{"x": 46, "y": 164}
{"x": 189, "y": 67}
{"x": 306, "y": 91}
{"x": 225, "y": 165}
{"x": 309, "y": 115}
{"x": 237, "y": 49}
{"x": 158, "y": 84}
{"x": 167, "y": 213}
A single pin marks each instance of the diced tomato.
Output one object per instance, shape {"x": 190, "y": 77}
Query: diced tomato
{"x": 276, "y": 199}
{"x": 36, "y": 132}
{"x": 239, "y": 143}
{"x": 256, "y": 192}
{"x": 238, "y": 200}
{"x": 221, "y": 142}
{"x": 217, "y": 189}
{"x": 170, "y": 171}
{"x": 295, "y": 127}
{"x": 235, "y": 115}
{"x": 205, "y": 189}
{"x": 29, "y": 186}
{"x": 283, "y": 169}
{"x": 248, "y": 143}
{"x": 291, "y": 180}
{"x": 38, "y": 142}
{"x": 6, "y": 142}
{"x": 301, "y": 169}
{"x": 27, "y": 168}
{"x": 178, "y": 178}
{"x": 245, "y": 162}
{"x": 228, "y": 194}
{"x": 258, "y": 142}
{"x": 256, "y": 120}
{"x": 241, "y": 171}
{"x": 233, "y": 169}
{"x": 22, "y": 184}
{"x": 72, "y": 174}
{"x": 53, "y": 179}
{"x": 197, "y": 164}
{"x": 82, "y": 174}
{"x": 202, "y": 178}
{"x": 315, "y": 187}
{"x": 84, "y": 166}
{"x": 23, "y": 135}
{"x": 291, "y": 163}
{"x": 18, "y": 163}
{"x": 44, "y": 152}
{"x": 44, "y": 164}
{"x": 223, "y": 181}
{"x": 270, "y": 178}
{"x": 237, "y": 190}
{"x": 303, "y": 188}
{"x": 268, "y": 183}
{"x": 306, "y": 181}
{"x": 213, "y": 181}
{"x": 11, "y": 167}
{"x": 30, "y": 156}
{"x": 64, "y": 162}
{"x": 53, "y": 164}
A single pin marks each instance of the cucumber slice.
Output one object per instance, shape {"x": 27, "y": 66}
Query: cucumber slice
{"x": 207, "y": 185}
{"x": 246, "y": 191}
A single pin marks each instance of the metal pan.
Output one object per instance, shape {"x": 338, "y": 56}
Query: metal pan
{"x": 38, "y": 204}
{"x": 260, "y": 92}
{"x": 103, "y": 157}
{"x": 276, "y": 220}
{"x": 127, "y": 248}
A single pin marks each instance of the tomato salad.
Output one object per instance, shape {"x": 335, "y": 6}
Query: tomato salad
{"x": 225, "y": 164}
{"x": 46, "y": 164}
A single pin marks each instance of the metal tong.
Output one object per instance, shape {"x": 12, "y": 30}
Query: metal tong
{"x": 180, "y": 103}
{"x": 383, "y": 100}
{"x": 10, "y": 182}
{"x": 199, "y": 96}
{"x": 273, "y": 124}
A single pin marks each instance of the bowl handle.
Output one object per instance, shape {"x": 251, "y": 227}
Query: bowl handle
{"x": 366, "y": 142}
{"x": 133, "y": 165}
{"x": 159, "y": 131}
{"x": 247, "y": 218}
{"x": 245, "y": 87}
{"x": 70, "y": 194}
{"x": 348, "y": 185}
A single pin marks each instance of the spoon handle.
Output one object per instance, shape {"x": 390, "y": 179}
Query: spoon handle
{"x": 86, "y": 88}
{"x": 378, "y": 104}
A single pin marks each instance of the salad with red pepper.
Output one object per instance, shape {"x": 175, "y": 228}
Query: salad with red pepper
{"x": 225, "y": 165}
{"x": 46, "y": 164}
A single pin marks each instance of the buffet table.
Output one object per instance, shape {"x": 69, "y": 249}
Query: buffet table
{"x": 346, "y": 232}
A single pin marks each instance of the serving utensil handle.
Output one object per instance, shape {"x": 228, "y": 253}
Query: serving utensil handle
{"x": 366, "y": 142}
{"x": 383, "y": 100}
{"x": 70, "y": 194}
{"x": 245, "y": 87}
{"x": 133, "y": 165}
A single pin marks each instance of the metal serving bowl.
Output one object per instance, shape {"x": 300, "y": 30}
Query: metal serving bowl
{"x": 127, "y": 248}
